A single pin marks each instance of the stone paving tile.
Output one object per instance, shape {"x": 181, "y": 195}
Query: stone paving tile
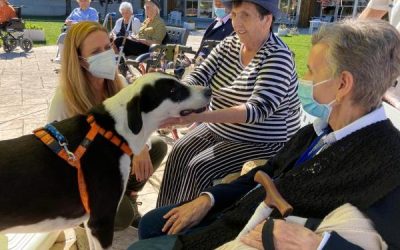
{"x": 37, "y": 96}
{"x": 10, "y": 97}
{"x": 18, "y": 112}
{"x": 14, "y": 124}
{"x": 10, "y": 133}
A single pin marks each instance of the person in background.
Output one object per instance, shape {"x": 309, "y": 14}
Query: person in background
{"x": 377, "y": 9}
{"x": 220, "y": 28}
{"x": 254, "y": 108}
{"x": 153, "y": 31}
{"x": 121, "y": 25}
{"x": 83, "y": 13}
{"x": 6, "y": 13}
{"x": 350, "y": 154}
{"x": 88, "y": 76}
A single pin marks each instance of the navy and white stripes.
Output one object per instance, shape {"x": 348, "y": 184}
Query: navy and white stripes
{"x": 267, "y": 86}
{"x": 200, "y": 157}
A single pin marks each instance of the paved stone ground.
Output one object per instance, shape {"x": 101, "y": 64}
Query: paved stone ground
{"x": 27, "y": 85}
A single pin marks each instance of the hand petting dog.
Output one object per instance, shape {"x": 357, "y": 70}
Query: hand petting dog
{"x": 181, "y": 120}
{"x": 142, "y": 167}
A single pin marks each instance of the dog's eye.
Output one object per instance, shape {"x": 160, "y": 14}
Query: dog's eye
{"x": 173, "y": 90}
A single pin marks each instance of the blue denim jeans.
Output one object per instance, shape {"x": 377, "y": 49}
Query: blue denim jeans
{"x": 151, "y": 236}
{"x": 151, "y": 223}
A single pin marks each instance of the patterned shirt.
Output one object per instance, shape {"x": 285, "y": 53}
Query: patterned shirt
{"x": 267, "y": 86}
{"x": 153, "y": 29}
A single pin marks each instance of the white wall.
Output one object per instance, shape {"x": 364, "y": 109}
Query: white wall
{"x": 57, "y": 7}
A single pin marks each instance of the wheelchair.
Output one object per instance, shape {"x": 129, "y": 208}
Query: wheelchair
{"x": 12, "y": 34}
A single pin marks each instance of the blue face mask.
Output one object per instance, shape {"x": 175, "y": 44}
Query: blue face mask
{"x": 310, "y": 105}
{"x": 219, "y": 12}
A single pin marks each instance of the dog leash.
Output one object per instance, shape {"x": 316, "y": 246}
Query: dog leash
{"x": 50, "y": 136}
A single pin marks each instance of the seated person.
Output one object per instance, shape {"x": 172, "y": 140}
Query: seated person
{"x": 6, "y": 13}
{"x": 122, "y": 24}
{"x": 88, "y": 76}
{"x": 83, "y": 13}
{"x": 220, "y": 28}
{"x": 350, "y": 154}
{"x": 253, "y": 112}
{"x": 153, "y": 31}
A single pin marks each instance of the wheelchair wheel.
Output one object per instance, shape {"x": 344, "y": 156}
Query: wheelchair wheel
{"x": 26, "y": 44}
{"x": 9, "y": 45}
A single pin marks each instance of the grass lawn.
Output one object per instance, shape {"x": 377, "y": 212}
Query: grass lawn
{"x": 301, "y": 46}
{"x": 52, "y": 29}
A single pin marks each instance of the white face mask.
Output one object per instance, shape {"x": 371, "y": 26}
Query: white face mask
{"x": 103, "y": 65}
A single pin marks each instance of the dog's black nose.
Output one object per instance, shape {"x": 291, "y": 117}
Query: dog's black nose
{"x": 207, "y": 92}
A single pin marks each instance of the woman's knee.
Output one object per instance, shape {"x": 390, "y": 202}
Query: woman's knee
{"x": 152, "y": 223}
{"x": 158, "y": 151}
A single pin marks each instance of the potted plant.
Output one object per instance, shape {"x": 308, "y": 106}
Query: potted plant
{"x": 35, "y": 33}
{"x": 282, "y": 30}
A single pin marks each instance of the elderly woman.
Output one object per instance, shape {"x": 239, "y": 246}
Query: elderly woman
{"x": 122, "y": 24}
{"x": 83, "y": 13}
{"x": 152, "y": 31}
{"x": 254, "y": 110}
{"x": 349, "y": 155}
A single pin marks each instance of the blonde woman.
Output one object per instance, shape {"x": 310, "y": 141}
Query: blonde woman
{"x": 88, "y": 76}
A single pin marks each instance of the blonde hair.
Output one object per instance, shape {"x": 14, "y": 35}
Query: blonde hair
{"x": 79, "y": 96}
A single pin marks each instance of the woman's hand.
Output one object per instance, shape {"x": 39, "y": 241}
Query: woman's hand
{"x": 181, "y": 120}
{"x": 142, "y": 167}
{"x": 187, "y": 215}
{"x": 286, "y": 236}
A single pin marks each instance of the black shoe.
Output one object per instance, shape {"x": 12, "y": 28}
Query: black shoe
{"x": 137, "y": 217}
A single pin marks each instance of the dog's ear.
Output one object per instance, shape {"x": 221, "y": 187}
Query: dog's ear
{"x": 134, "y": 111}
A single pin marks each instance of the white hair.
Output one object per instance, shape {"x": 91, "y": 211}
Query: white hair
{"x": 125, "y": 6}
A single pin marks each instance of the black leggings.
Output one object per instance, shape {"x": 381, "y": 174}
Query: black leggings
{"x": 131, "y": 48}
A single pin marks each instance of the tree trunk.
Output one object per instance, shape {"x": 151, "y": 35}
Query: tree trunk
{"x": 68, "y": 7}
{"x": 307, "y": 10}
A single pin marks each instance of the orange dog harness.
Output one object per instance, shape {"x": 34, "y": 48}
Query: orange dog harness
{"x": 54, "y": 141}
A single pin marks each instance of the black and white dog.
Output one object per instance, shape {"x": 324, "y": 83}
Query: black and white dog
{"x": 39, "y": 190}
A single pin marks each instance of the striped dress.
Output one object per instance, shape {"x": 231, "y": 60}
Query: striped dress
{"x": 268, "y": 88}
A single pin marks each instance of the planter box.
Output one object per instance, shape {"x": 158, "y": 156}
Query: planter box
{"x": 283, "y": 31}
{"x": 35, "y": 35}
{"x": 189, "y": 26}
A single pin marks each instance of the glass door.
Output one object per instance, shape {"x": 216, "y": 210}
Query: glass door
{"x": 205, "y": 8}
{"x": 191, "y": 8}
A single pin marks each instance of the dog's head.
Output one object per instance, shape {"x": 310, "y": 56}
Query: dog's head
{"x": 139, "y": 108}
